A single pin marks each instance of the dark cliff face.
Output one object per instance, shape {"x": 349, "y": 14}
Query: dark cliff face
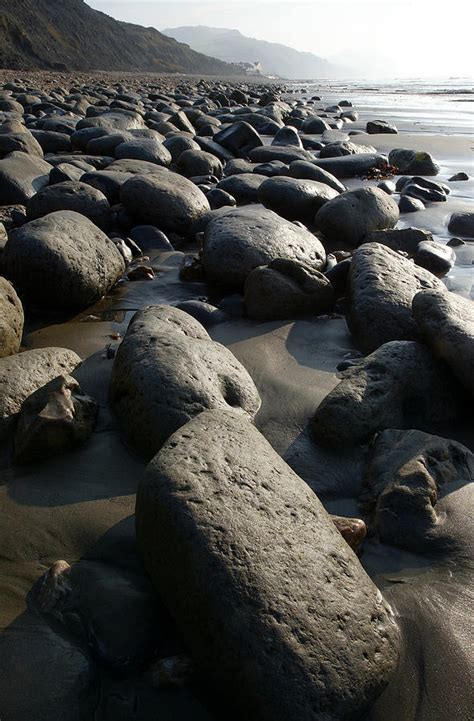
{"x": 69, "y": 35}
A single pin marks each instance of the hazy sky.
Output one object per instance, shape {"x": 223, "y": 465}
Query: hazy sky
{"x": 410, "y": 37}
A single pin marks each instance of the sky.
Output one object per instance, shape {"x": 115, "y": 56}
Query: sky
{"x": 382, "y": 38}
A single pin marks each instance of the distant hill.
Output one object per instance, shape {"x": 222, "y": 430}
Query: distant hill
{"x": 232, "y": 46}
{"x": 70, "y": 35}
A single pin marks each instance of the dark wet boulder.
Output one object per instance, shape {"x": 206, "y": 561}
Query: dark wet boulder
{"x": 217, "y": 497}
{"x": 240, "y": 138}
{"x": 177, "y": 144}
{"x": 350, "y": 216}
{"x": 309, "y": 171}
{"x": 219, "y": 198}
{"x": 54, "y": 419}
{"x": 15, "y": 137}
{"x": 62, "y": 261}
{"x": 165, "y": 199}
{"x": 108, "y": 182}
{"x": 192, "y": 163}
{"x": 462, "y": 224}
{"x": 413, "y": 162}
{"x": 407, "y": 204}
{"x": 52, "y": 142}
{"x": 11, "y": 319}
{"x": 287, "y": 136}
{"x": 22, "y": 374}
{"x": 239, "y": 240}
{"x": 286, "y": 289}
{"x": 71, "y": 195}
{"x": 352, "y": 166}
{"x": 149, "y": 237}
{"x": 375, "y": 127}
{"x": 446, "y": 322}
{"x": 404, "y": 239}
{"x": 243, "y": 187}
{"x": 270, "y": 169}
{"x": 286, "y": 154}
{"x": 408, "y": 472}
{"x": 207, "y": 314}
{"x": 238, "y": 166}
{"x": 435, "y": 257}
{"x": 45, "y": 675}
{"x": 426, "y": 195}
{"x": 400, "y": 385}
{"x": 381, "y": 288}
{"x": 116, "y": 119}
{"x": 458, "y": 176}
{"x": 147, "y": 149}
{"x": 66, "y": 171}
{"x": 168, "y": 370}
{"x": 315, "y": 125}
{"x": 295, "y": 199}
{"x": 21, "y": 176}
{"x": 339, "y": 149}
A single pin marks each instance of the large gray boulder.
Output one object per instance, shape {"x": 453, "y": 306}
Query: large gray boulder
{"x": 240, "y": 240}
{"x": 194, "y": 163}
{"x": 148, "y": 149}
{"x": 462, "y": 224}
{"x": 352, "y": 166}
{"x": 166, "y": 371}
{"x": 350, "y": 216}
{"x": 406, "y": 473}
{"x": 287, "y": 289}
{"x": 11, "y": 319}
{"x": 294, "y": 199}
{"x": 22, "y": 374}
{"x": 165, "y": 199}
{"x": 287, "y": 154}
{"x": 243, "y": 187}
{"x": 446, "y": 322}
{"x": 381, "y": 287}
{"x": 293, "y": 621}
{"x": 62, "y": 261}
{"x": 400, "y": 385}
{"x": 70, "y": 195}
{"x": 21, "y": 176}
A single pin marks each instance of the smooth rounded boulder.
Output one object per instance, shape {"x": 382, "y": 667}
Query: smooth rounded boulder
{"x": 62, "y": 261}
{"x": 11, "y": 319}
{"x": 293, "y": 198}
{"x": 400, "y": 385}
{"x": 446, "y": 322}
{"x": 381, "y": 288}
{"x": 352, "y": 215}
{"x": 288, "y": 592}
{"x": 70, "y": 195}
{"x": 309, "y": 171}
{"x": 413, "y": 162}
{"x": 21, "y": 176}
{"x": 165, "y": 199}
{"x": 239, "y": 240}
{"x": 166, "y": 371}
{"x": 286, "y": 289}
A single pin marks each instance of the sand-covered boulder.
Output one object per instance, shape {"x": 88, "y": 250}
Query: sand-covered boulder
{"x": 350, "y": 216}
{"x": 62, "y": 261}
{"x": 293, "y": 621}
{"x": 406, "y": 473}
{"x": 21, "y": 176}
{"x": 165, "y": 199}
{"x": 239, "y": 240}
{"x": 446, "y": 322}
{"x": 293, "y": 198}
{"x": 22, "y": 374}
{"x": 382, "y": 285}
{"x": 70, "y": 195}
{"x": 400, "y": 385}
{"x": 11, "y": 319}
{"x": 168, "y": 370}
{"x": 287, "y": 289}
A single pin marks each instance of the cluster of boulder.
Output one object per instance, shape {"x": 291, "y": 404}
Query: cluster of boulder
{"x": 264, "y": 585}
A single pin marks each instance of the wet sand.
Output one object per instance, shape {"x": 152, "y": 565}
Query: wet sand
{"x": 81, "y": 505}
